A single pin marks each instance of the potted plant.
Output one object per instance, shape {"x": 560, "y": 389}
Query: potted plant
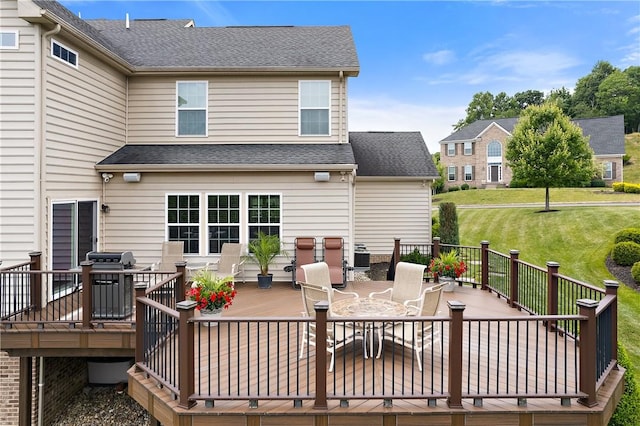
{"x": 210, "y": 292}
{"x": 446, "y": 267}
{"x": 263, "y": 251}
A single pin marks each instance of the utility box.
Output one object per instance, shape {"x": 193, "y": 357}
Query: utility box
{"x": 361, "y": 257}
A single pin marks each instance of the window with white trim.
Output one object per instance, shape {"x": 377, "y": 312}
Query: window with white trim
{"x": 223, "y": 220}
{"x": 264, "y": 214}
{"x": 451, "y": 173}
{"x": 191, "y": 108}
{"x": 494, "y": 149}
{"x": 607, "y": 170}
{"x": 451, "y": 149}
{"x": 183, "y": 221}
{"x": 9, "y": 39}
{"x": 64, "y": 54}
{"x": 314, "y": 103}
{"x": 468, "y": 148}
{"x": 468, "y": 172}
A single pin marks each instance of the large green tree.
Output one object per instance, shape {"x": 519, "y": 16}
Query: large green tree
{"x": 585, "y": 102}
{"x": 546, "y": 150}
{"x": 619, "y": 93}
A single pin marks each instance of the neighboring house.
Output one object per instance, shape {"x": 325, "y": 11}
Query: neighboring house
{"x": 475, "y": 154}
{"x": 119, "y": 135}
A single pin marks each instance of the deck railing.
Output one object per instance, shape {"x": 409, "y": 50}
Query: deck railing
{"x": 29, "y": 294}
{"x": 227, "y": 358}
{"x": 251, "y": 359}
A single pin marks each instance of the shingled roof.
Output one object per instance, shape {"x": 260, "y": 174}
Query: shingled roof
{"x": 606, "y": 134}
{"x": 150, "y": 44}
{"x": 392, "y": 154}
{"x": 211, "y": 156}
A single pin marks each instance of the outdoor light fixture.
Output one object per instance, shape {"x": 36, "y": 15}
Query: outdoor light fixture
{"x": 131, "y": 177}
{"x": 321, "y": 176}
{"x": 105, "y": 208}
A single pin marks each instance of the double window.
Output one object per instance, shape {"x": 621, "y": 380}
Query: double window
{"x": 468, "y": 172}
{"x": 183, "y": 221}
{"x": 451, "y": 173}
{"x": 451, "y": 149}
{"x": 468, "y": 148}
{"x": 8, "y": 39}
{"x": 607, "y": 170}
{"x": 315, "y": 102}
{"x": 64, "y": 54}
{"x": 223, "y": 220}
{"x": 222, "y": 216}
{"x": 191, "y": 108}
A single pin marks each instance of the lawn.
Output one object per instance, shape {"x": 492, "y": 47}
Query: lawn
{"x": 632, "y": 148}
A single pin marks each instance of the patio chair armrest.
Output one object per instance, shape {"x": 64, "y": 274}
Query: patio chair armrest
{"x": 346, "y": 293}
{"x": 377, "y": 293}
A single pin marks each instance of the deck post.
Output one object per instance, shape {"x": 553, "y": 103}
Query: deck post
{"x": 513, "y": 282}
{"x": 140, "y": 288}
{"x": 186, "y": 363}
{"x": 612, "y": 290}
{"x": 35, "y": 280}
{"x": 321, "y": 309}
{"x": 181, "y": 282}
{"x": 484, "y": 267}
{"x": 588, "y": 349}
{"x": 396, "y": 252}
{"x": 552, "y": 292}
{"x": 87, "y": 293}
{"x": 436, "y": 247}
{"x": 456, "y": 311}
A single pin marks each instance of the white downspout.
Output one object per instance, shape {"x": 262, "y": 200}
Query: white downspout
{"x": 40, "y": 190}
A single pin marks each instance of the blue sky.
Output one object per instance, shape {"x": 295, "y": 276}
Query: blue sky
{"x": 421, "y": 62}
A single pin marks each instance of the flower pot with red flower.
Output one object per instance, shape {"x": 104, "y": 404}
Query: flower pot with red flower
{"x": 211, "y": 292}
{"x": 446, "y": 268}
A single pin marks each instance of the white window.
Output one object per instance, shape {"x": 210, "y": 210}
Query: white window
{"x": 468, "y": 148}
{"x": 494, "y": 149}
{"x": 607, "y": 170}
{"x": 264, "y": 214}
{"x": 64, "y": 54}
{"x": 451, "y": 149}
{"x": 8, "y": 39}
{"x": 183, "y": 221}
{"x": 468, "y": 172}
{"x": 315, "y": 100}
{"x": 191, "y": 105}
{"x": 451, "y": 173}
{"x": 223, "y": 220}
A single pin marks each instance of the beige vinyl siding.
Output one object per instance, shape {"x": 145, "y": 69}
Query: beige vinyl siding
{"x": 136, "y": 221}
{"x": 85, "y": 122}
{"x": 17, "y": 139}
{"x": 388, "y": 210}
{"x": 249, "y": 109}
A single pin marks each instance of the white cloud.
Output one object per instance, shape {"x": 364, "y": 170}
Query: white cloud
{"x": 441, "y": 57}
{"x": 384, "y": 114}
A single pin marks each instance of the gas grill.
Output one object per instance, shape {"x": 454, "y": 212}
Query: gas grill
{"x": 112, "y": 293}
{"x": 112, "y": 261}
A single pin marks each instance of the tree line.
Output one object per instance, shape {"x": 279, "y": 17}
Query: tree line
{"x": 606, "y": 91}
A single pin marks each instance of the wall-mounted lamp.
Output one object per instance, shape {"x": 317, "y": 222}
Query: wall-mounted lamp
{"x": 105, "y": 208}
{"x": 321, "y": 176}
{"x": 131, "y": 177}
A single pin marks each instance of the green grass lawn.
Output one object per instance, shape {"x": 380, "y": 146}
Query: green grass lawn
{"x": 632, "y": 148}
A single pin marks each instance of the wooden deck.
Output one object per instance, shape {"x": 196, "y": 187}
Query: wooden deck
{"x": 395, "y": 373}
